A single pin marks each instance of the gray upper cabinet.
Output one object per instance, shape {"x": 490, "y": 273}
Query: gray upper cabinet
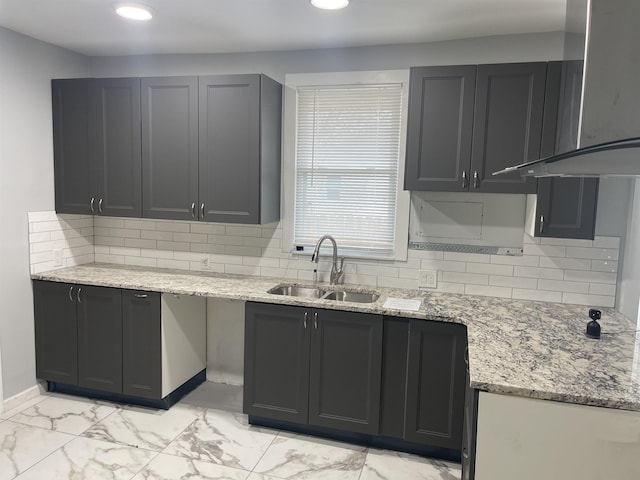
{"x": 507, "y": 125}
{"x": 118, "y": 157}
{"x": 566, "y": 207}
{"x": 97, "y": 157}
{"x": 73, "y": 141}
{"x": 466, "y": 122}
{"x": 170, "y": 147}
{"x": 439, "y": 128}
{"x": 240, "y": 121}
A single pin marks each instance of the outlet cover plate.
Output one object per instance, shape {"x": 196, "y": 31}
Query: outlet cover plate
{"x": 428, "y": 279}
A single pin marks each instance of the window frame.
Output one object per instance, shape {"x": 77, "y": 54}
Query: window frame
{"x": 292, "y": 82}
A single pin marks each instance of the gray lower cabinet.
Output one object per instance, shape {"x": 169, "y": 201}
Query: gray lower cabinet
{"x": 99, "y": 314}
{"x": 170, "y": 147}
{"x": 56, "y": 331}
{"x": 469, "y": 432}
{"x": 566, "y": 207}
{"x": 423, "y": 382}
{"x": 313, "y": 366}
{"x": 141, "y": 344}
{"x": 239, "y": 164}
{"x": 97, "y": 157}
{"x": 98, "y": 338}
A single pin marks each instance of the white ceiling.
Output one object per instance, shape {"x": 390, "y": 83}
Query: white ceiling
{"x": 91, "y": 27}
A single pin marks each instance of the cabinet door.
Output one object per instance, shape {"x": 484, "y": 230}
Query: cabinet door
{"x": 118, "y": 157}
{"x": 141, "y": 344}
{"x": 99, "y": 338}
{"x": 435, "y": 384}
{"x": 566, "y": 207}
{"x": 276, "y": 362}
{"x": 507, "y": 125}
{"x": 439, "y": 128}
{"x": 229, "y": 151}
{"x": 73, "y": 142}
{"x": 345, "y": 371}
{"x": 170, "y": 147}
{"x": 56, "y": 332}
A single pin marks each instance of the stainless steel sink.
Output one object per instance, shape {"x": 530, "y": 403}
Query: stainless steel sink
{"x": 293, "y": 290}
{"x": 297, "y": 291}
{"x": 346, "y": 296}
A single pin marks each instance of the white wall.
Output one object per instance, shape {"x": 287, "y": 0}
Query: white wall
{"x": 26, "y": 184}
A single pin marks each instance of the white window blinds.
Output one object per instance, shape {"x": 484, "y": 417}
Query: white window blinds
{"x": 347, "y": 156}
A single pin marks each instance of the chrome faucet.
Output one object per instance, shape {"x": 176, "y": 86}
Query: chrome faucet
{"x": 336, "y": 270}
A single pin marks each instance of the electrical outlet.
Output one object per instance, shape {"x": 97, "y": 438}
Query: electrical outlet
{"x": 57, "y": 257}
{"x": 428, "y": 279}
{"x": 204, "y": 263}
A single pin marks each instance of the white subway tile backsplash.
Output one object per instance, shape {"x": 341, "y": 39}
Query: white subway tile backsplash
{"x": 514, "y": 282}
{"x": 557, "y": 270}
{"x": 572, "y": 263}
{"x": 491, "y": 269}
{"x": 563, "y": 286}
{"x": 467, "y": 278}
{"x": 594, "y": 253}
{"x": 487, "y": 291}
{"x": 539, "y": 295}
{"x": 591, "y": 300}
{"x": 533, "y": 272}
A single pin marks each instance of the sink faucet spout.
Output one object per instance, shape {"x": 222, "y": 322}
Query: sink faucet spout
{"x": 337, "y": 266}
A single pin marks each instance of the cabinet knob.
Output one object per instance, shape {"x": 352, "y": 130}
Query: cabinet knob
{"x": 202, "y": 211}
{"x": 464, "y": 179}
{"x": 71, "y": 293}
{"x": 100, "y": 206}
{"x": 78, "y": 294}
{"x": 541, "y": 223}
{"x": 193, "y": 209}
{"x": 140, "y": 295}
{"x": 476, "y": 179}
{"x": 92, "y": 205}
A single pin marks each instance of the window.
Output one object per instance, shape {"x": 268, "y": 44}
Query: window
{"x": 349, "y": 151}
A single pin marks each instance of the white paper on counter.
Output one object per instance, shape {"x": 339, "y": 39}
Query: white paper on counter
{"x": 403, "y": 304}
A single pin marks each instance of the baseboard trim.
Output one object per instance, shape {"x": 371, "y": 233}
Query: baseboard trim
{"x": 22, "y": 397}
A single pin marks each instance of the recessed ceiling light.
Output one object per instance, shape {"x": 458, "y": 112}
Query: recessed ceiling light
{"x": 330, "y": 4}
{"x": 134, "y": 11}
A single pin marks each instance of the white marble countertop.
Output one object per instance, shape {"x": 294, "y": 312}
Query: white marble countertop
{"x": 532, "y": 349}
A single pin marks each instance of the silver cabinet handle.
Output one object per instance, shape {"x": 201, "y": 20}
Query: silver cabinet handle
{"x": 92, "y": 204}
{"x": 475, "y": 179}
{"x": 193, "y": 209}
{"x": 304, "y": 322}
{"x": 100, "y": 206}
{"x": 202, "y": 211}
{"x": 78, "y": 294}
{"x": 541, "y": 223}
{"x": 140, "y": 295}
{"x": 71, "y": 293}
{"x": 315, "y": 320}
{"x": 464, "y": 179}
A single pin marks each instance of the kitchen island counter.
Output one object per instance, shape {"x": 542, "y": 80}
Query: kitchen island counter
{"x": 517, "y": 347}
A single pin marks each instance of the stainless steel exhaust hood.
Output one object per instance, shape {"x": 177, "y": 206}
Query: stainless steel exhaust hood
{"x": 616, "y": 158}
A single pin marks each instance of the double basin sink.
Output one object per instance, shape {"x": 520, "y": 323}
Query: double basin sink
{"x": 340, "y": 295}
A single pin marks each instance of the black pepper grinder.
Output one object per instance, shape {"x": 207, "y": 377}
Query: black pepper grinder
{"x": 593, "y": 327}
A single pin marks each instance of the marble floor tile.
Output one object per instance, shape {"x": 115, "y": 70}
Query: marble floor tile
{"x": 224, "y": 438}
{"x": 88, "y": 459}
{"x": 261, "y": 476}
{"x": 386, "y": 465}
{"x": 144, "y": 427}
{"x": 21, "y": 446}
{"x": 169, "y": 467}
{"x": 64, "y": 414}
{"x": 306, "y": 458}
{"x": 10, "y": 413}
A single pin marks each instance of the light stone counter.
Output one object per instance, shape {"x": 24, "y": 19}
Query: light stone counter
{"x": 518, "y": 347}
